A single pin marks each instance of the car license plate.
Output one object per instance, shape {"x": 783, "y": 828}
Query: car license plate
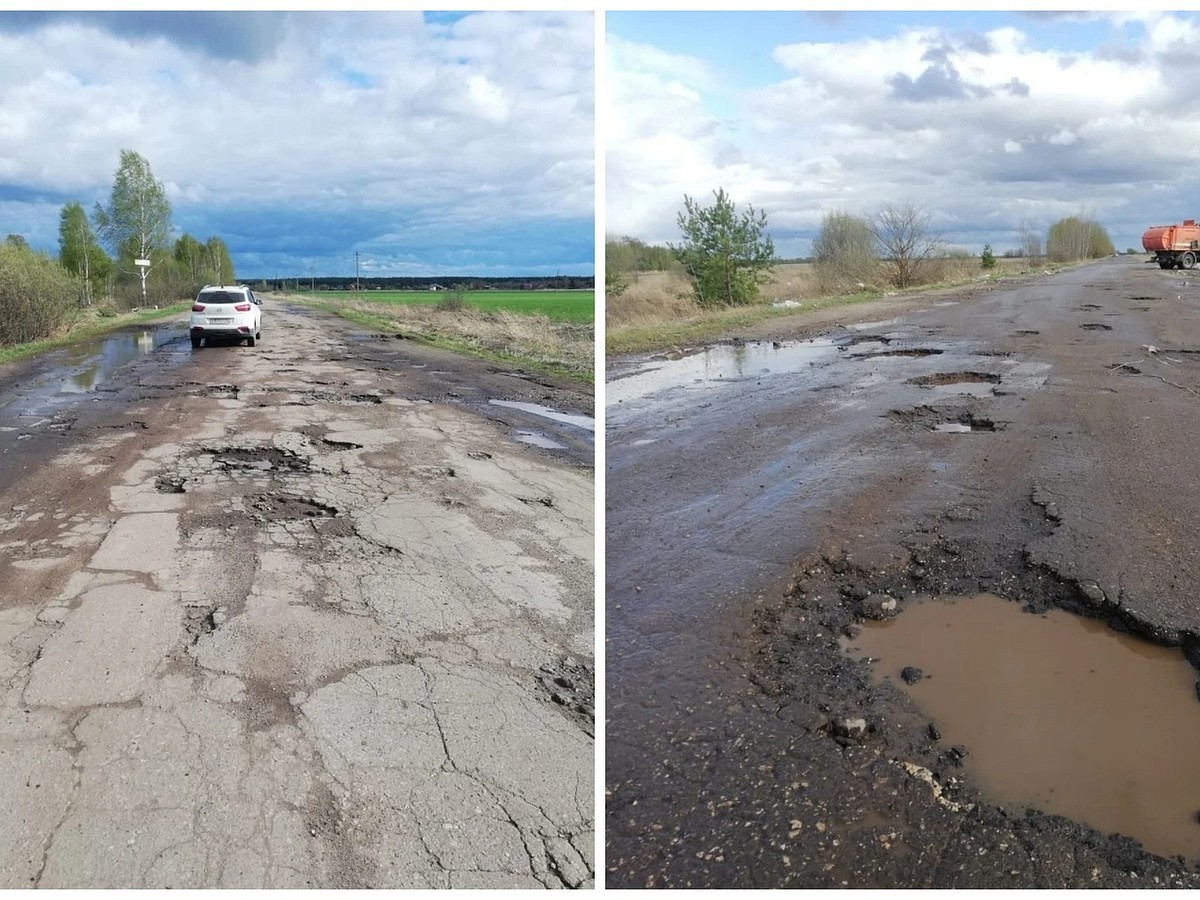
{"x": 224, "y": 321}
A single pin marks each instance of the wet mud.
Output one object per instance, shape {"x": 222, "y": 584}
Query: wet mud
{"x": 944, "y": 378}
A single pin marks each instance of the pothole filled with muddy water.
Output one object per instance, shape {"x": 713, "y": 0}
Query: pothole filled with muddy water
{"x": 1055, "y": 712}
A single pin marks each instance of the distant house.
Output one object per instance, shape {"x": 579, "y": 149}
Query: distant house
{"x": 436, "y": 287}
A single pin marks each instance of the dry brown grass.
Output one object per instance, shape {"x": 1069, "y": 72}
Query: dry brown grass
{"x": 651, "y": 298}
{"x": 658, "y": 298}
{"x": 792, "y": 281}
{"x": 535, "y": 338}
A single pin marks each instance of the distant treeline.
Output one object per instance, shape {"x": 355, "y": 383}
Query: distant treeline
{"x": 628, "y": 254}
{"x": 439, "y": 282}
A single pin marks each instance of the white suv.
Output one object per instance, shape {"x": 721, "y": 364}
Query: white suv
{"x": 226, "y": 311}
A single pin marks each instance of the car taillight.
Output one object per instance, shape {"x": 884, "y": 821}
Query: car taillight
{"x": 197, "y": 307}
{"x": 243, "y": 307}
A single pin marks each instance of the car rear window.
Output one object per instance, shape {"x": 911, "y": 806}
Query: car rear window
{"x": 221, "y": 297}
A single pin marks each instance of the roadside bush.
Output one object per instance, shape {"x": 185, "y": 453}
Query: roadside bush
{"x": 455, "y": 301}
{"x": 844, "y": 254}
{"x": 987, "y": 259}
{"x": 616, "y": 282}
{"x": 452, "y": 303}
{"x": 38, "y": 297}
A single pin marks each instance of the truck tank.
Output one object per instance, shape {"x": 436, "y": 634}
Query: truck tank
{"x": 1173, "y": 245}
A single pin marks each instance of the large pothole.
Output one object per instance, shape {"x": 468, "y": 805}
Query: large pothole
{"x": 260, "y": 458}
{"x": 944, "y": 419}
{"x": 1054, "y": 712}
{"x": 916, "y": 352}
{"x": 943, "y": 378}
{"x": 571, "y": 686}
{"x": 278, "y": 507}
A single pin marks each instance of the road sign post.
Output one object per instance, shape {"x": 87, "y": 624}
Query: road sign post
{"x": 143, "y": 265}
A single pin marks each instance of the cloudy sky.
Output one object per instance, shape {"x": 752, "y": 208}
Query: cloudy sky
{"x": 984, "y": 119}
{"x": 433, "y": 143}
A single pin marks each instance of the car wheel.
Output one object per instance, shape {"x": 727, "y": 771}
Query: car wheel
{"x": 250, "y": 341}
{"x": 195, "y": 342}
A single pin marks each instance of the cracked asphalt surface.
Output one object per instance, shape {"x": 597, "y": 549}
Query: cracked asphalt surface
{"x": 302, "y": 615}
{"x": 1030, "y": 439}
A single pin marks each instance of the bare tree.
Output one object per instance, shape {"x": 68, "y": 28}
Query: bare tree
{"x": 906, "y": 241}
{"x": 1030, "y": 242}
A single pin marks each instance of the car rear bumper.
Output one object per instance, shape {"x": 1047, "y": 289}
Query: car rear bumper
{"x": 247, "y": 328}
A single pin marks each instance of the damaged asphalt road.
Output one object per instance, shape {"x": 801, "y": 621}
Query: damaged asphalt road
{"x": 1032, "y": 440}
{"x": 302, "y": 615}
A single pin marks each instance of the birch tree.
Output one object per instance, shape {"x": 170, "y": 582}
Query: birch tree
{"x": 137, "y": 218}
{"x": 78, "y": 251}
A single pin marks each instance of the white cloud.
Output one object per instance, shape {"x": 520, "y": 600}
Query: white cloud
{"x": 662, "y": 142}
{"x": 380, "y": 110}
{"x": 983, "y": 129}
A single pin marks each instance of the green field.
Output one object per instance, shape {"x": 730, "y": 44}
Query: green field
{"x": 560, "y": 306}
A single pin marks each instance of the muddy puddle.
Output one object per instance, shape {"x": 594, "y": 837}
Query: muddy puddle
{"x": 537, "y": 439}
{"x": 961, "y": 428}
{"x": 92, "y": 363}
{"x": 1055, "y": 712}
{"x": 585, "y": 422}
{"x": 726, "y": 363}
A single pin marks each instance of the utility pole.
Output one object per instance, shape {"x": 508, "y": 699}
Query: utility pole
{"x": 356, "y": 287}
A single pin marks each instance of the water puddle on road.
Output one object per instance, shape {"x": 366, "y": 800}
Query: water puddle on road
{"x": 958, "y": 428}
{"x": 868, "y": 326}
{"x": 722, "y": 363}
{"x": 585, "y": 422}
{"x": 1056, "y": 712}
{"x": 539, "y": 440}
{"x": 94, "y": 362}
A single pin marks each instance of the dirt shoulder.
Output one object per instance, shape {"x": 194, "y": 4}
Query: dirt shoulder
{"x": 301, "y": 615}
{"x": 823, "y": 315}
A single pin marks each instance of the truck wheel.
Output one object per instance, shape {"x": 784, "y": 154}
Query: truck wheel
{"x": 1187, "y": 260}
{"x": 1165, "y": 263}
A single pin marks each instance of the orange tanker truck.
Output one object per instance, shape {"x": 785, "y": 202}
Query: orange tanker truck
{"x": 1174, "y": 245}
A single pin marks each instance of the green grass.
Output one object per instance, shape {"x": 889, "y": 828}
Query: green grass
{"x": 90, "y": 326}
{"x": 559, "y": 306}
